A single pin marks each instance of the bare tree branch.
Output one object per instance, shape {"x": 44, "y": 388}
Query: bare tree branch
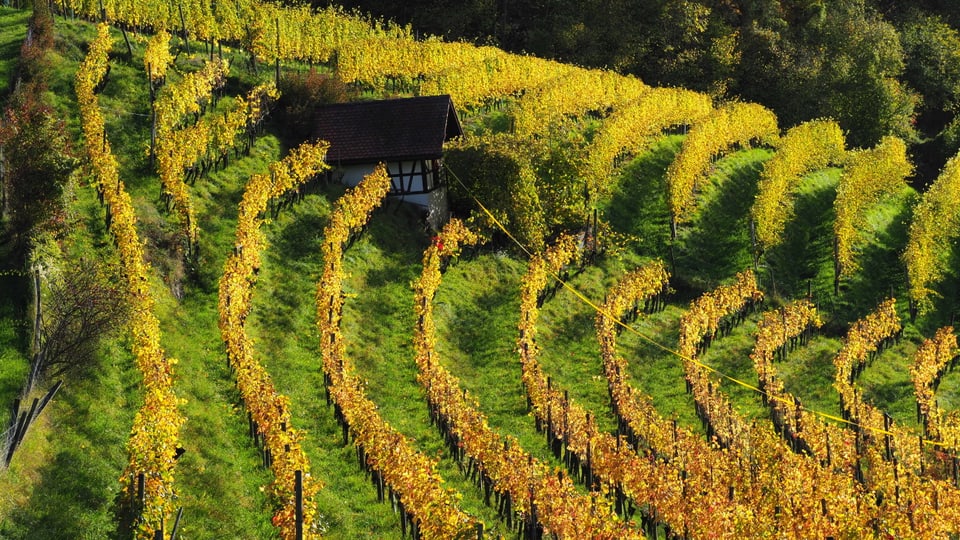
{"x": 84, "y": 304}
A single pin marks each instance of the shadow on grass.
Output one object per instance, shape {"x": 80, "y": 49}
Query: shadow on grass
{"x": 805, "y": 258}
{"x": 74, "y": 493}
{"x": 889, "y": 395}
{"x": 808, "y": 374}
{"x": 302, "y": 237}
{"x": 69, "y": 490}
{"x": 397, "y": 229}
{"x": 576, "y": 329}
{"x": 946, "y": 299}
{"x": 13, "y": 30}
{"x": 717, "y": 244}
{"x": 881, "y": 272}
{"x": 638, "y": 205}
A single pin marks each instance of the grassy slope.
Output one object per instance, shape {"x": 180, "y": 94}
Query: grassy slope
{"x": 74, "y": 478}
{"x": 63, "y": 483}
{"x": 716, "y": 245}
{"x": 13, "y": 28}
{"x": 221, "y": 463}
{"x": 63, "y": 480}
{"x": 378, "y": 320}
{"x": 14, "y": 323}
{"x": 282, "y": 323}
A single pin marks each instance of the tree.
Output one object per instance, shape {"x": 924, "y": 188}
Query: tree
{"x": 82, "y": 305}
{"x": 36, "y": 157}
{"x": 301, "y": 93}
{"x": 840, "y": 60}
{"x": 861, "y": 82}
{"x": 932, "y": 50}
{"x": 530, "y": 185}
{"x": 37, "y": 161}
{"x": 500, "y": 175}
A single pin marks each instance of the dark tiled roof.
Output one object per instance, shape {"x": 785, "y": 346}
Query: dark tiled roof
{"x": 393, "y": 129}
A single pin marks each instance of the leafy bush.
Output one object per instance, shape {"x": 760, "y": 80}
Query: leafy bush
{"x": 300, "y": 93}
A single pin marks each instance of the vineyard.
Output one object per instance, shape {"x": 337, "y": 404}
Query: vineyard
{"x": 651, "y": 314}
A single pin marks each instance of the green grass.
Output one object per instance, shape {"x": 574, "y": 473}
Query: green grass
{"x": 378, "y": 323}
{"x": 70, "y": 464}
{"x": 808, "y": 373}
{"x": 14, "y": 287}
{"x": 638, "y": 203}
{"x": 221, "y": 462}
{"x": 887, "y": 385}
{"x": 282, "y": 323}
{"x": 718, "y": 245}
{"x": 476, "y": 312}
{"x": 730, "y": 355}
{"x": 64, "y": 481}
{"x": 13, "y": 29}
{"x": 948, "y": 393}
{"x": 570, "y": 351}
{"x": 655, "y": 370}
{"x": 15, "y": 325}
{"x": 570, "y": 354}
{"x": 805, "y": 257}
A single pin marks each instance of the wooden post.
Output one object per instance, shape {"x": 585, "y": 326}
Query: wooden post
{"x": 22, "y": 425}
{"x": 14, "y": 410}
{"x": 126, "y": 40}
{"x": 141, "y": 489}
{"x": 15, "y": 436}
{"x": 922, "y": 471}
{"x": 183, "y": 26}
{"x": 836, "y": 267}
{"x": 956, "y": 472}
{"x": 298, "y": 508}
{"x": 673, "y": 259}
{"x": 176, "y": 524}
{"x": 153, "y": 133}
{"x": 277, "y": 75}
{"x": 38, "y": 312}
{"x": 887, "y": 421}
{"x": 46, "y": 399}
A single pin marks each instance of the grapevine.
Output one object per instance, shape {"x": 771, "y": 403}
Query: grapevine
{"x": 173, "y": 102}
{"x": 407, "y": 472}
{"x": 546, "y": 501}
{"x": 807, "y": 147}
{"x": 868, "y": 176}
{"x": 734, "y": 123}
{"x": 269, "y": 410}
{"x": 934, "y": 226}
{"x": 154, "y": 437}
{"x": 631, "y": 127}
{"x": 933, "y": 358}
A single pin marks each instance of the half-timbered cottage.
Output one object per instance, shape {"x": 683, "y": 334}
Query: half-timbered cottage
{"x": 405, "y": 134}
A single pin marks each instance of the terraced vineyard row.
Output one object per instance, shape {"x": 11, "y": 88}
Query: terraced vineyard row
{"x": 154, "y": 437}
{"x": 730, "y": 476}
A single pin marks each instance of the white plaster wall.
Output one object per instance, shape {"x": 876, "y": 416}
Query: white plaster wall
{"x": 434, "y": 203}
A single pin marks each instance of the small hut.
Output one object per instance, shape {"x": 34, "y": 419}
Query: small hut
{"x": 407, "y": 135}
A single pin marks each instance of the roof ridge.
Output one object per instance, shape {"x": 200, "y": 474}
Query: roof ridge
{"x": 392, "y": 129}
